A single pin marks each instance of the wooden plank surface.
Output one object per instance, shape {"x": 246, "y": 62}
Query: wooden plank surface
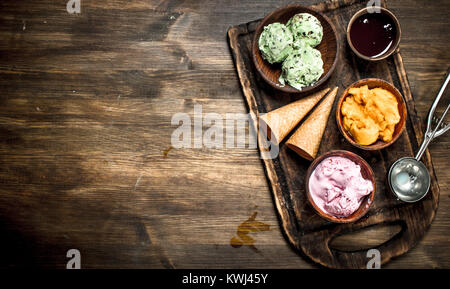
{"x": 85, "y": 126}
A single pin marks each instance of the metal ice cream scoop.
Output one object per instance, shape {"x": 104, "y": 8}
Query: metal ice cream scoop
{"x": 408, "y": 177}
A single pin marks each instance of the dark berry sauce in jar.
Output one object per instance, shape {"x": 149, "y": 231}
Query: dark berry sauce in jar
{"x": 372, "y": 34}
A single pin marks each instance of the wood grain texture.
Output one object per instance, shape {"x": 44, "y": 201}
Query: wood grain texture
{"x": 87, "y": 102}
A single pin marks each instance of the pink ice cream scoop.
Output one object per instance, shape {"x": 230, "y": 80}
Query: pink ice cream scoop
{"x": 337, "y": 186}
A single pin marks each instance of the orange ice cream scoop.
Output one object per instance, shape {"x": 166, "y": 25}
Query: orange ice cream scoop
{"x": 370, "y": 114}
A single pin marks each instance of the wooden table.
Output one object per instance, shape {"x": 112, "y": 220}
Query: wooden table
{"x": 85, "y": 134}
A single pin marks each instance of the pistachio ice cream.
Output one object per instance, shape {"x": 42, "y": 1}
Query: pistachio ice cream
{"x": 303, "y": 67}
{"x": 292, "y": 44}
{"x": 275, "y": 42}
{"x": 306, "y": 27}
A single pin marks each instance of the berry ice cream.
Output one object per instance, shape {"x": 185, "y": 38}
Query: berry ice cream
{"x": 337, "y": 186}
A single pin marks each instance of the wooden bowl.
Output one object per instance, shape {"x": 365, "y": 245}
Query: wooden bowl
{"x": 395, "y": 43}
{"x": 366, "y": 172}
{"x": 399, "y": 128}
{"x": 329, "y": 47}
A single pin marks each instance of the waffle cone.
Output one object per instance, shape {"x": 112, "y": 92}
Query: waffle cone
{"x": 306, "y": 139}
{"x": 279, "y": 122}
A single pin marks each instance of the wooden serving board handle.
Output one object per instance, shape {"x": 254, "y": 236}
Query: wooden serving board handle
{"x": 317, "y": 244}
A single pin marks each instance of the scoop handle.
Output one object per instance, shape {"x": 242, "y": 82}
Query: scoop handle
{"x": 429, "y": 134}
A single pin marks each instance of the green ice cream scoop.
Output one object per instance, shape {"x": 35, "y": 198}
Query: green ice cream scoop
{"x": 306, "y": 27}
{"x": 303, "y": 67}
{"x": 275, "y": 42}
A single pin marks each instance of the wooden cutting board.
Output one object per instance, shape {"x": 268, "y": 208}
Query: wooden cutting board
{"x": 305, "y": 229}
